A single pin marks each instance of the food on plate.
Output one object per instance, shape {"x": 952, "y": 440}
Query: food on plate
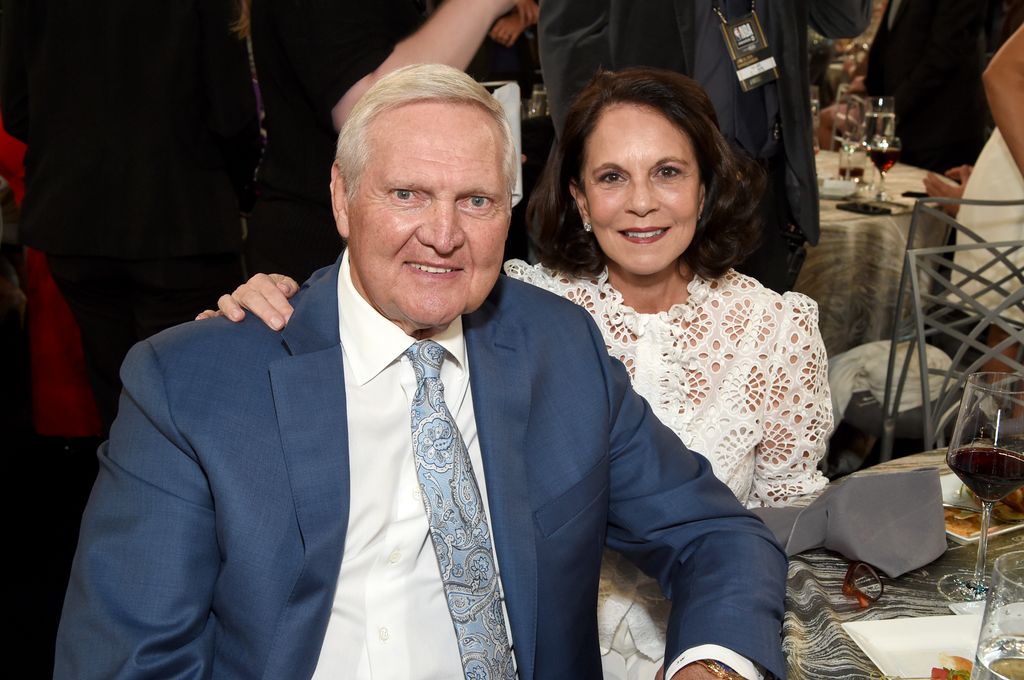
{"x": 953, "y": 668}
{"x": 966, "y": 524}
{"x": 1010, "y": 509}
{"x": 963, "y": 522}
{"x": 1015, "y": 501}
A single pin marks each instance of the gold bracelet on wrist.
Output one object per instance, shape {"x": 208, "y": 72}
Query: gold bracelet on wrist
{"x": 719, "y": 670}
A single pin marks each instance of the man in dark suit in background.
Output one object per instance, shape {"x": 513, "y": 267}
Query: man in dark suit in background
{"x": 928, "y": 55}
{"x": 140, "y": 121}
{"x": 315, "y": 59}
{"x": 263, "y": 509}
{"x": 771, "y": 122}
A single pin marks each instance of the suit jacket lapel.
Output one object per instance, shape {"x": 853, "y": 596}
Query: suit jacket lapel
{"x": 309, "y": 393}
{"x": 501, "y": 400}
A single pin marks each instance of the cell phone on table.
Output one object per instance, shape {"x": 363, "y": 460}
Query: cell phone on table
{"x": 915, "y": 194}
{"x": 864, "y": 208}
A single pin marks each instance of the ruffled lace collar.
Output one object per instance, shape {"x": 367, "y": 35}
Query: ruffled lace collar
{"x": 676, "y": 317}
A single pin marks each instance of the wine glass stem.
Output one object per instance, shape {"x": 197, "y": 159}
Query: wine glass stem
{"x": 979, "y": 566}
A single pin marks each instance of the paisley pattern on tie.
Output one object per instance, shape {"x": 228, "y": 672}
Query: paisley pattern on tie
{"x": 458, "y": 523}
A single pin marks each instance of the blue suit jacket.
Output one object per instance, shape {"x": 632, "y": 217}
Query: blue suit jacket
{"x": 213, "y": 539}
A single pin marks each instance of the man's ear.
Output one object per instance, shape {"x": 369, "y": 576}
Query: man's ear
{"x": 339, "y": 201}
{"x": 580, "y": 197}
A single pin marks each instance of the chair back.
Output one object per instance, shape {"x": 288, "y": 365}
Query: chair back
{"x": 967, "y": 298}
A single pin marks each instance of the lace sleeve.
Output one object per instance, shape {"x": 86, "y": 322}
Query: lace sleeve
{"x": 798, "y": 415}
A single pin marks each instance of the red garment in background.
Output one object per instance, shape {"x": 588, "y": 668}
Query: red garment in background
{"x": 62, "y": 401}
{"x": 12, "y": 163}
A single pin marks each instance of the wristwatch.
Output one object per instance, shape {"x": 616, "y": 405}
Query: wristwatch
{"x": 719, "y": 669}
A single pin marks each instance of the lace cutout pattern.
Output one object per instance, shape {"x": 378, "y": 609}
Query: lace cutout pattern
{"x": 738, "y": 372}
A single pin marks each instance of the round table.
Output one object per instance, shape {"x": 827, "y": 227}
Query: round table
{"x": 815, "y": 644}
{"x": 853, "y": 272}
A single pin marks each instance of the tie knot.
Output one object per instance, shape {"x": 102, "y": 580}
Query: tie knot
{"x": 426, "y": 357}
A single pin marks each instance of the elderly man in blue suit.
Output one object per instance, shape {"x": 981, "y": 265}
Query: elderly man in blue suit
{"x": 417, "y": 478}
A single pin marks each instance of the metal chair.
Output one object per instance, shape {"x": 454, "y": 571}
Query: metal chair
{"x": 956, "y": 306}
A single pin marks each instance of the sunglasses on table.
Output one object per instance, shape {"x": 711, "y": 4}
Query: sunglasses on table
{"x": 863, "y": 583}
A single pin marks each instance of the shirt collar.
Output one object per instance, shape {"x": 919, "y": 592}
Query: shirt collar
{"x": 372, "y": 342}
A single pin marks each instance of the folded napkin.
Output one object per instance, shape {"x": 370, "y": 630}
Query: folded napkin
{"x": 892, "y": 521}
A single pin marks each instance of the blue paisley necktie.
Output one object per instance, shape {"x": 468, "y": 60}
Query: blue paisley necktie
{"x": 458, "y": 523}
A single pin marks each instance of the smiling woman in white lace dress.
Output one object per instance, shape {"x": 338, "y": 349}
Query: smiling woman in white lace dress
{"x": 643, "y": 210}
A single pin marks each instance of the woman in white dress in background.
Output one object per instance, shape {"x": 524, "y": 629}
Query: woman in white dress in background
{"x": 642, "y": 213}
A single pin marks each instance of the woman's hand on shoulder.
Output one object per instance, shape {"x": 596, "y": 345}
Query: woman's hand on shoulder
{"x": 265, "y": 295}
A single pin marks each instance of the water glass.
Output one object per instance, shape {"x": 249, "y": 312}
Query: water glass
{"x": 853, "y": 157}
{"x": 1000, "y": 654}
{"x": 880, "y": 118}
{"x": 815, "y": 115}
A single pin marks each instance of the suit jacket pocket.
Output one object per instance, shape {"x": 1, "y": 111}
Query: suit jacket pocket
{"x": 557, "y": 512}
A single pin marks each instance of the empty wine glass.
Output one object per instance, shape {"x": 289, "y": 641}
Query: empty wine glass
{"x": 884, "y": 152}
{"x": 849, "y": 126}
{"x": 1000, "y": 652}
{"x": 987, "y": 453}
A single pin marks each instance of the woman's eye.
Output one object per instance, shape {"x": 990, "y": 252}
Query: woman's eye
{"x": 668, "y": 171}
{"x": 610, "y": 177}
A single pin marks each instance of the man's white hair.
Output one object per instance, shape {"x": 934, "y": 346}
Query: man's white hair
{"x": 411, "y": 85}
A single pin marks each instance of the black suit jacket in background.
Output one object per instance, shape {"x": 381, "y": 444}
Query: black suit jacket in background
{"x": 578, "y": 37}
{"x": 133, "y": 113}
{"x": 931, "y": 62}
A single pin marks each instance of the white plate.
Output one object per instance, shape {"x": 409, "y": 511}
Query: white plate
{"x": 910, "y": 648}
{"x": 836, "y": 188}
{"x": 954, "y": 496}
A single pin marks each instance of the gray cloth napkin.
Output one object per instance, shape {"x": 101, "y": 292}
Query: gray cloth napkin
{"x": 891, "y": 521}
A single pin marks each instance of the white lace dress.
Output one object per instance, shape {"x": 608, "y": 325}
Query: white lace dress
{"x": 740, "y": 374}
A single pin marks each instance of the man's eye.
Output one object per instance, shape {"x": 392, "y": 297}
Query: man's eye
{"x": 478, "y": 201}
{"x": 403, "y": 194}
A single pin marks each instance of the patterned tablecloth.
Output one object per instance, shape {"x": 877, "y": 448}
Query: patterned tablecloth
{"x": 816, "y": 646}
{"x": 854, "y": 271}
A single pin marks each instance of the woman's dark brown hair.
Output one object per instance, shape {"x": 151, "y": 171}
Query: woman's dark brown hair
{"x": 727, "y": 230}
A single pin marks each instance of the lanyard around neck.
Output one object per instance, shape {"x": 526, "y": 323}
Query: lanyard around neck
{"x": 716, "y": 7}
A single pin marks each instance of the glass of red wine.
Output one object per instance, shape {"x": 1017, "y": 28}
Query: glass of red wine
{"x": 884, "y": 152}
{"x": 987, "y": 453}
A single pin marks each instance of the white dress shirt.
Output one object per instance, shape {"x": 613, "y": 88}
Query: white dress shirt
{"x": 390, "y": 618}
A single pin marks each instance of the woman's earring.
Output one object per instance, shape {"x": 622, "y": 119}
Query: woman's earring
{"x": 587, "y": 228}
